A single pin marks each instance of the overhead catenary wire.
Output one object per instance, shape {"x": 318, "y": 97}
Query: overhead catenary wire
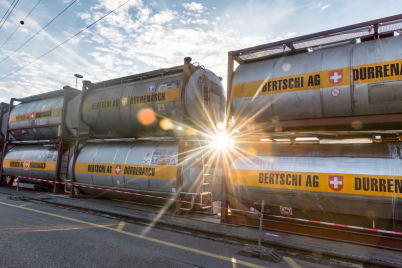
{"x": 7, "y": 11}
{"x": 39, "y": 31}
{"x": 66, "y": 40}
{"x": 20, "y": 25}
{"x": 9, "y": 14}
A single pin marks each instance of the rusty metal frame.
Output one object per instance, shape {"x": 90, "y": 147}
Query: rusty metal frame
{"x": 344, "y": 123}
{"x": 337, "y": 234}
{"x": 6, "y": 142}
{"x": 376, "y": 35}
{"x": 49, "y": 125}
{"x": 4, "y": 108}
{"x": 84, "y": 91}
{"x": 59, "y": 143}
{"x": 179, "y": 183}
{"x": 386, "y": 121}
{"x": 319, "y": 124}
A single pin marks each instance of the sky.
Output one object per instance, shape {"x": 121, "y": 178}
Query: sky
{"x": 144, "y": 35}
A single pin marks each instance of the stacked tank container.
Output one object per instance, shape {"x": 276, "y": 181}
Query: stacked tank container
{"x": 321, "y": 114}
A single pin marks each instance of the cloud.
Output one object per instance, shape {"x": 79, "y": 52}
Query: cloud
{"x": 200, "y": 21}
{"x": 163, "y": 17}
{"x": 83, "y": 15}
{"x": 290, "y": 35}
{"x": 324, "y": 7}
{"x": 194, "y": 6}
{"x": 287, "y": 36}
{"x": 112, "y": 4}
{"x": 192, "y": 14}
{"x": 133, "y": 40}
{"x": 143, "y": 14}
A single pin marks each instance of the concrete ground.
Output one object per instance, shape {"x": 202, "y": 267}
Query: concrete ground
{"x": 154, "y": 213}
{"x": 38, "y": 235}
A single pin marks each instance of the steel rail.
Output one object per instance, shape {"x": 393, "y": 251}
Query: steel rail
{"x": 217, "y": 234}
{"x": 335, "y": 234}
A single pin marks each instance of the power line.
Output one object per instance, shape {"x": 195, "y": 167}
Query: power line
{"x": 66, "y": 40}
{"x": 20, "y": 25}
{"x": 7, "y": 11}
{"x": 38, "y": 32}
{"x": 9, "y": 14}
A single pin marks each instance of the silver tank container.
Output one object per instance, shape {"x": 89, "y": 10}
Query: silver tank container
{"x": 359, "y": 180}
{"x": 117, "y": 109}
{"x": 44, "y": 111}
{"x": 143, "y": 166}
{"x": 346, "y": 80}
{"x": 31, "y": 160}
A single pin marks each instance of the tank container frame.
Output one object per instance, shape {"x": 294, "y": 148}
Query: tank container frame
{"x": 82, "y": 137}
{"x": 62, "y": 143}
{"x": 387, "y": 123}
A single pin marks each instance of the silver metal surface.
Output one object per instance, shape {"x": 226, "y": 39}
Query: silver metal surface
{"x": 379, "y": 96}
{"x": 366, "y": 160}
{"x": 123, "y": 120}
{"x": 34, "y": 110}
{"x": 26, "y": 154}
{"x": 144, "y": 154}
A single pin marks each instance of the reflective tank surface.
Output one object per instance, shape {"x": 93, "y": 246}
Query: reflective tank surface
{"x": 43, "y": 112}
{"x": 148, "y": 166}
{"x": 137, "y": 109}
{"x": 36, "y": 113}
{"x": 353, "y": 79}
{"x": 362, "y": 180}
{"x": 31, "y": 160}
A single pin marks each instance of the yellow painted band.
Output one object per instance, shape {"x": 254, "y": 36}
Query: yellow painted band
{"x": 383, "y": 71}
{"x": 35, "y": 165}
{"x": 152, "y": 172}
{"x": 185, "y": 248}
{"x": 361, "y": 184}
{"x": 136, "y": 100}
{"x": 387, "y": 70}
{"x": 36, "y": 115}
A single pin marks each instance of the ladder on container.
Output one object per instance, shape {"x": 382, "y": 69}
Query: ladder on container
{"x": 206, "y": 171}
{"x": 64, "y": 167}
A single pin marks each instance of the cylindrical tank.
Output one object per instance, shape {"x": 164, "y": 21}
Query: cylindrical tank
{"x": 31, "y": 160}
{"x": 138, "y": 109}
{"x": 359, "y": 180}
{"x": 145, "y": 166}
{"x": 37, "y": 113}
{"x": 354, "y": 79}
{"x": 43, "y": 111}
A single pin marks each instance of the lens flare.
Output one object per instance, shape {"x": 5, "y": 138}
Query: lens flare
{"x": 166, "y": 124}
{"x": 357, "y": 125}
{"x": 146, "y": 116}
{"x": 286, "y": 67}
{"x": 221, "y": 141}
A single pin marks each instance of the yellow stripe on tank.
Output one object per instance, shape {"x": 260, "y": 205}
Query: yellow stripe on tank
{"x": 136, "y": 100}
{"x": 26, "y": 164}
{"x": 362, "y": 184}
{"x": 152, "y": 172}
{"x": 368, "y": 73}
{"x": 36, "y": 115}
